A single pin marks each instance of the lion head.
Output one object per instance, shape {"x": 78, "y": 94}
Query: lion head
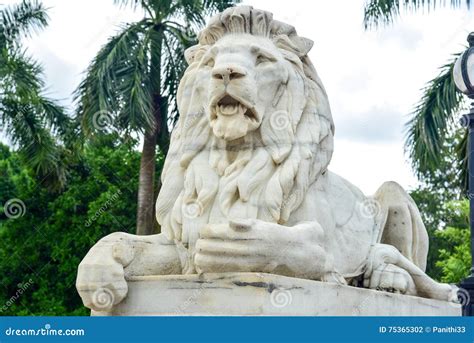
{"x": 247, "y": 73}
{"x": 255, "y": 128}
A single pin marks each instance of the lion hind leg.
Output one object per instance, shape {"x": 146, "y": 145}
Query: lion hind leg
{"x": 402, "y": 226}
{"x": 389, "y": 269}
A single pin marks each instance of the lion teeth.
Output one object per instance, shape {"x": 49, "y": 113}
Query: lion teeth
{"x": 232, "y": 109}
{"x": 242, "y": 109}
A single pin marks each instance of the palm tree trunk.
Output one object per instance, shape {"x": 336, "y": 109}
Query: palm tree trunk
{"x": 146, "y": 199}
{"x": 146, "y": 186}
{"x": 146, "y": 223}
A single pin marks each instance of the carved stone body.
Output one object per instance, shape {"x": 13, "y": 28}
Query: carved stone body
{"x": 246, "y": 186}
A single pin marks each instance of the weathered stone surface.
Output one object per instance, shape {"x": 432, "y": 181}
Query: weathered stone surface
{"x": 255, "y": 294}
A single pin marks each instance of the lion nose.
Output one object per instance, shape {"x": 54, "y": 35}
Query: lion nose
{"x": 228, "y": 73}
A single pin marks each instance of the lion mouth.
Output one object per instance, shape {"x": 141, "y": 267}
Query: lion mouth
{"x": 232, "y": 117}
{"x": 230, "y": 106}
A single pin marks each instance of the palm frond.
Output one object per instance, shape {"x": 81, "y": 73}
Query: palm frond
{"x": 34, "y": 123}
{"x": 137, "y": 112}
{"x": 191, "y": 11}
{"x": 54, "y": 116}
{"x": 383, "y": 12}
{"x": 132, "y": 3}
{"x": 431, "y": 119}
{"x": 37, "y": 146}
{"x": 115, "y": 81}
{"x": 21, "y": 80}
{"x": 212, "y": 6}
{"x": 20, "y": 74}
{"x": 22, "y": 20}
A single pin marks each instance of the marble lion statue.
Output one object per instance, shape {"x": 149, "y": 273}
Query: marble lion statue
{"x": 246, "y": 185}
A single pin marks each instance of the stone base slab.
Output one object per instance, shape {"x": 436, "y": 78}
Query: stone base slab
{"x": 258, "y": 294}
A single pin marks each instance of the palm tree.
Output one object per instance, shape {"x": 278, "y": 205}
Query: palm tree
{"x": 29, "y": 118}
{"x": 433, "y": 117}
{"x": 132, "y": 82}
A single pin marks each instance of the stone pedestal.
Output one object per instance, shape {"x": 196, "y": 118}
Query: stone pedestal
{"x": 258, "y": 294}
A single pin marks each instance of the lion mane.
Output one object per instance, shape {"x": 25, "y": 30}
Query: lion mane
{"x": 276, "y": 163}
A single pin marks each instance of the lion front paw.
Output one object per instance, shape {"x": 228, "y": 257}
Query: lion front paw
{"x": 390, "y": 278}
{"x": 258, "y": 246}
{"x": 101, "y": 278}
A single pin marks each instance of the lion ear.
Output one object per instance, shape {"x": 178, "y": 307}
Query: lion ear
{"x": 190, "y": 53}
{"x": 193, "y": 53}
{"x": 298, "y": 45}
{"x": 304, "y": 44}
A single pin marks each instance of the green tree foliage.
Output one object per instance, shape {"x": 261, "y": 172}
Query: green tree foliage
{"x": 455, "y": 258}
{"x": 449, "y": 257}
{"x": 46, "y": 244}
{"x": 30, "y": 119}
{"x": 383, "y": 12}
{"x": 447, "y": 222}
{"x": 432, "y": 196}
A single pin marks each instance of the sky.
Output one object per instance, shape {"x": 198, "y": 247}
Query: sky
{"x": 373, "y": 78}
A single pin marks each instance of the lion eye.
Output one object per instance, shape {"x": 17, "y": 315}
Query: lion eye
{"x": 264, "y": 59}
{"x": 209, "y": 63}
